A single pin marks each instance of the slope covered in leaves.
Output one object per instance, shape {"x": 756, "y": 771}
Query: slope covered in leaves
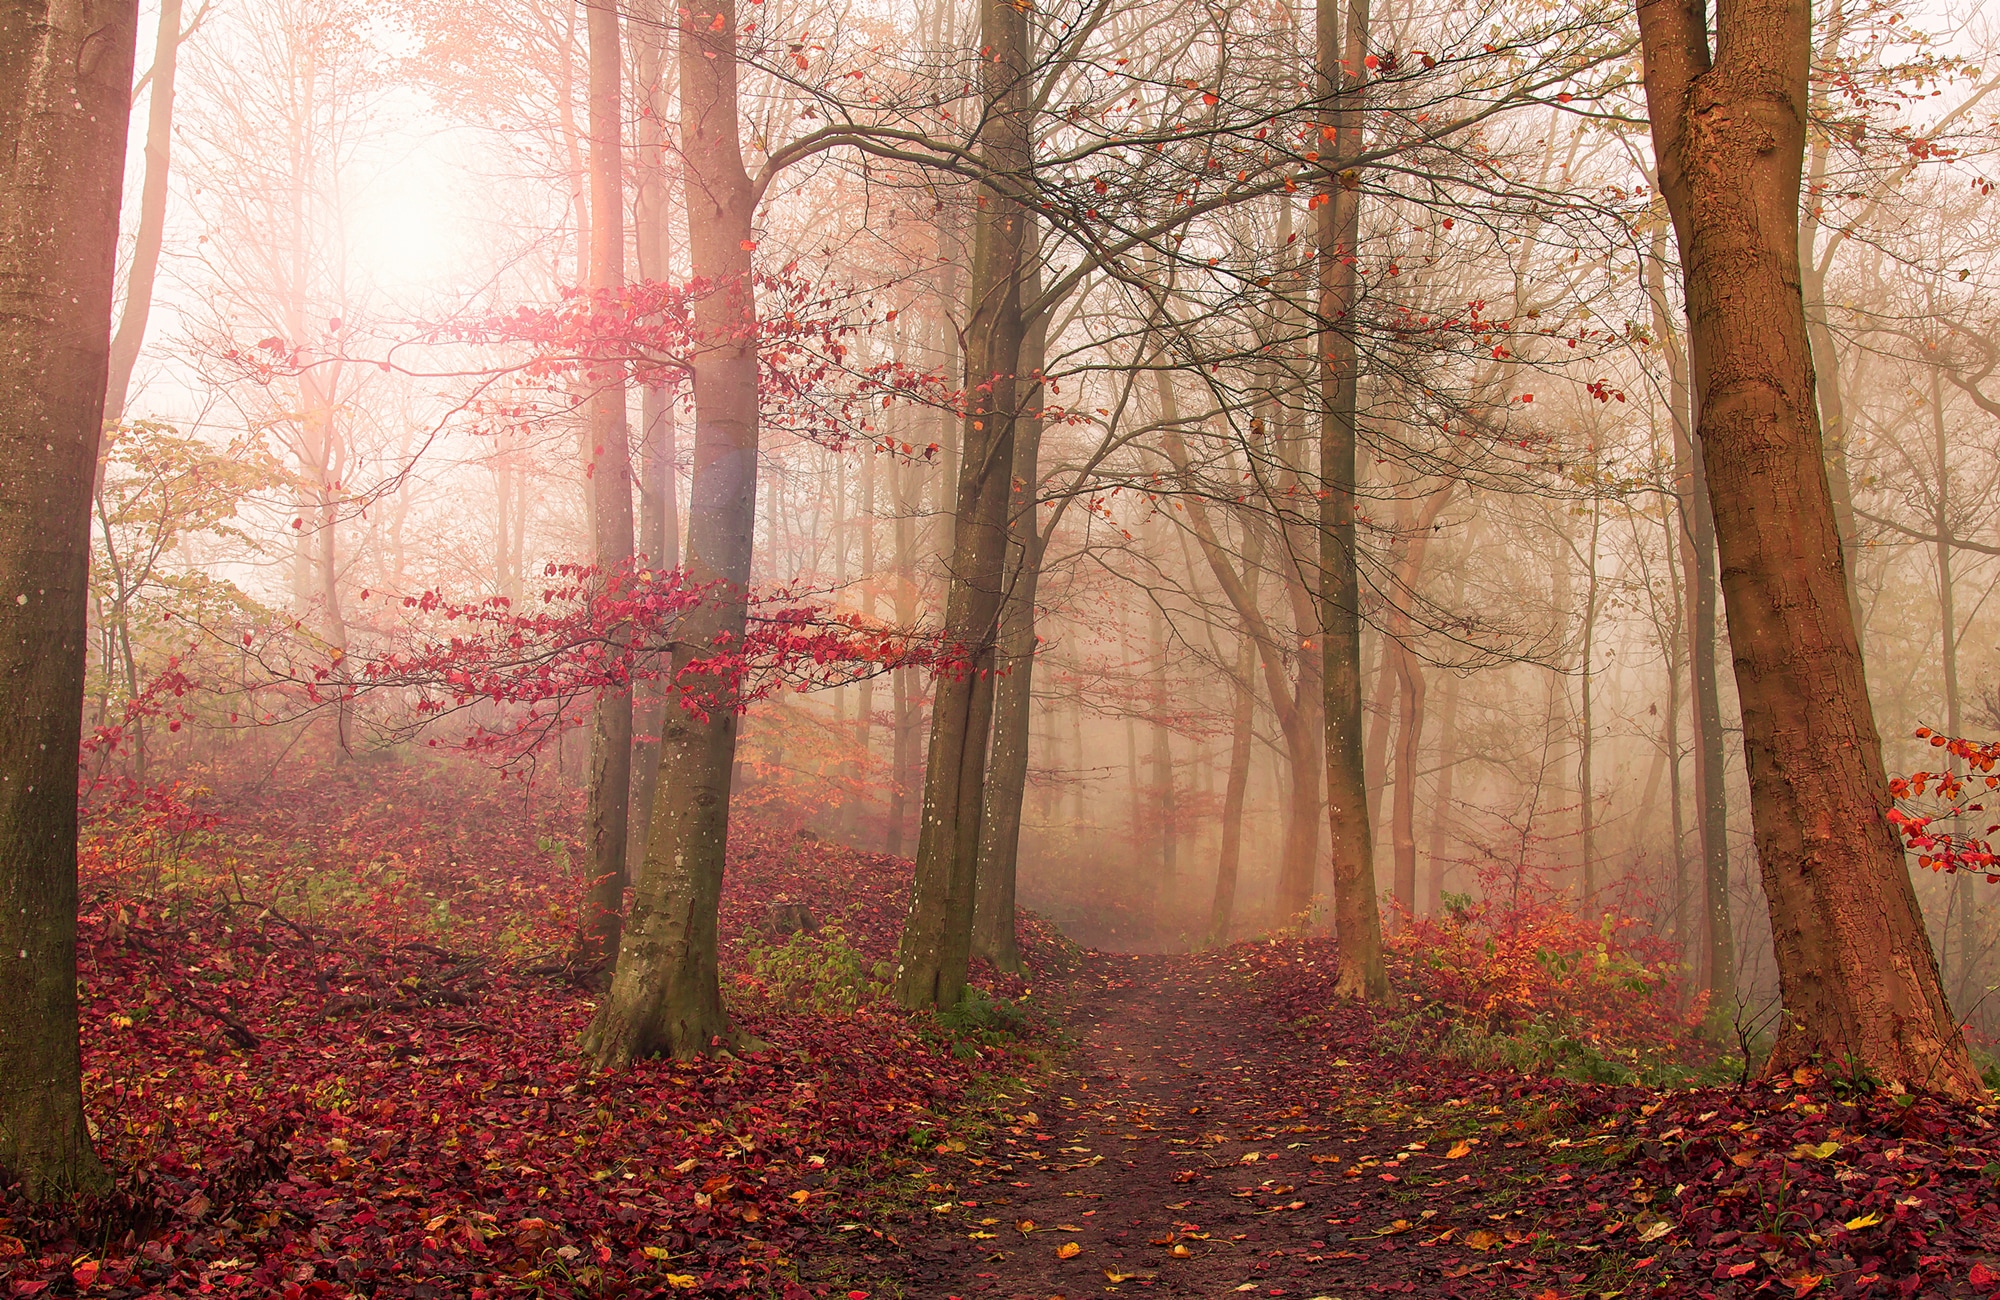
{"x": 330, "y": 1050}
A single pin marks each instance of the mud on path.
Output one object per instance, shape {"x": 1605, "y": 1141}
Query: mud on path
{"x": 1195, "y": 1148}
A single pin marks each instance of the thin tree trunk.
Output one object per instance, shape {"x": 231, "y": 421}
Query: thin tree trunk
{"x": 659, "y": 505}
{"x": 608, "y": 472}
{"x": 1965, "y": 904}
{"x": 993, "y": 930}
{"x": 131, "y": 333}
{"x": 1858, "y": 977}
{"x": 1434, "y": 861}
{"x": 1586, "y": 784}
{"x": 937, "y": 935}
{"x": 666, "y": 997}
{"x": 1222, "y": 912}
{"x": 65, "y": 95}
{"x": 1697, "y": 560}
{"x": 1338, "y": 83}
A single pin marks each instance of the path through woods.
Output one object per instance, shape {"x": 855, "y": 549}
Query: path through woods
{"x": 1195, "y": 1149}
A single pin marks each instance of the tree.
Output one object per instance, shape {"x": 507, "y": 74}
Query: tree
{"x": 131, "y": 333}
{"x": 936, "y": 943}
{"x": 1858, "y": 977}
{"x": 608, "y": 472}
{"x": 65, "y": 91}
{"x": 666, "y": 994}
{"x": 1340, "y": 76}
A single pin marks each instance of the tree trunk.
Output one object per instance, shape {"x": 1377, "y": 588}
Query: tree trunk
{"x": 1858, "y": 977}
{"x": 1434, "y": 863}
{"x": 993, "y": 929}
{"x": 1222, "y": 912}
{"x": 1586, "y": 783}
{"x": 937, "y": 935}
{"x": 666, "y": 997}
{"x": 1965, "y": 903}
{"x": 1409, "y": 736}
{"x": 1338, "y": 82}
{"x": 152, "y": 214}
{"x": 659, "y": 532}
{"x": 1697, "y": 562}
{"x": 65, "y": 95}
{"x": 608, "y": 473}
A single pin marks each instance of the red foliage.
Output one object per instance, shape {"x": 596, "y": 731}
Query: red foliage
{"x": 330, "y": 1062}
{"x": 1930, "y": 804}
{"x": 1609, "y": 981}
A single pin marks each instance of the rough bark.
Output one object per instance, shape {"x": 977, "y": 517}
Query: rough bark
{"x": 666, "y": 996}
{"x": 1858, "y": 978}
{"x": 65, "y": 87}
{"x": 937, "y": 934}
{"x": 1339, "y": 80}
{"x": 608, "y": 472}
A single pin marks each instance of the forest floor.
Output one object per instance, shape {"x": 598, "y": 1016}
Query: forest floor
{"x": 1202, "y": 1140}
{"x": 329, "y": 1051}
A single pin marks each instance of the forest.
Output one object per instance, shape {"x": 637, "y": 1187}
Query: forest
{"x": 943, "y": 649}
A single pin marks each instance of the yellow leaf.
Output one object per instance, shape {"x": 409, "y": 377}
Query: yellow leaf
{"x": 1110, "y": 1276}
{"x": 1820, "y": 1152}
{"x": 1026, "y": 1225}
{"x": 682, "y": 1281}
{"x": 658, "y": 1252}
{"x": 980, "y": 1236}
{"x": 1180, "y": 1252}
{"x": 1482, "y": 1239}
{"x": 1459, "y": 1150}
{"x": 802, "y": 1196}
{"x": 1867, "y": 1220}
{"x": 1068, "y": 1250}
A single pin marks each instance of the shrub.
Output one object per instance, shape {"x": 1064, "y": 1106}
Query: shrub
{"x": 821, "y": 971}
{"x": 1539, "y": 988}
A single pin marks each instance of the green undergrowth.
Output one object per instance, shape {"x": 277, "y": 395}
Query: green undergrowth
{"x": 819, "y": 970}
{"x": 1553, "y": 1046}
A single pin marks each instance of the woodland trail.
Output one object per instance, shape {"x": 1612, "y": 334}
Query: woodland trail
{"x": 1195, "y": 1148}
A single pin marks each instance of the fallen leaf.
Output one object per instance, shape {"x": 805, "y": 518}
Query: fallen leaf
{"x": 1482, "y": 1239}
{"x": 1861, "y": 1221}
{"x": 1459, "y": 1150}
{"x": 1655, "y": 1230}
{"x": 1068, "y": 1250}
{"x": 683, "y": 1281}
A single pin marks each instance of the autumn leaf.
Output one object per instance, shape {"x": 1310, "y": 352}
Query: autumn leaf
{"x": 1482, "y": 1239}
{"x": 1459, "y": 1150}
{"x": 1068, "y": 1250}
{"x": 683, "y": 1281}
{"x": 1860, "y": 1221}
{"x": 1180, "y": 1251}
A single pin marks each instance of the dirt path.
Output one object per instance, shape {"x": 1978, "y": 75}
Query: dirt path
{"x": 1195, "y": 1150}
